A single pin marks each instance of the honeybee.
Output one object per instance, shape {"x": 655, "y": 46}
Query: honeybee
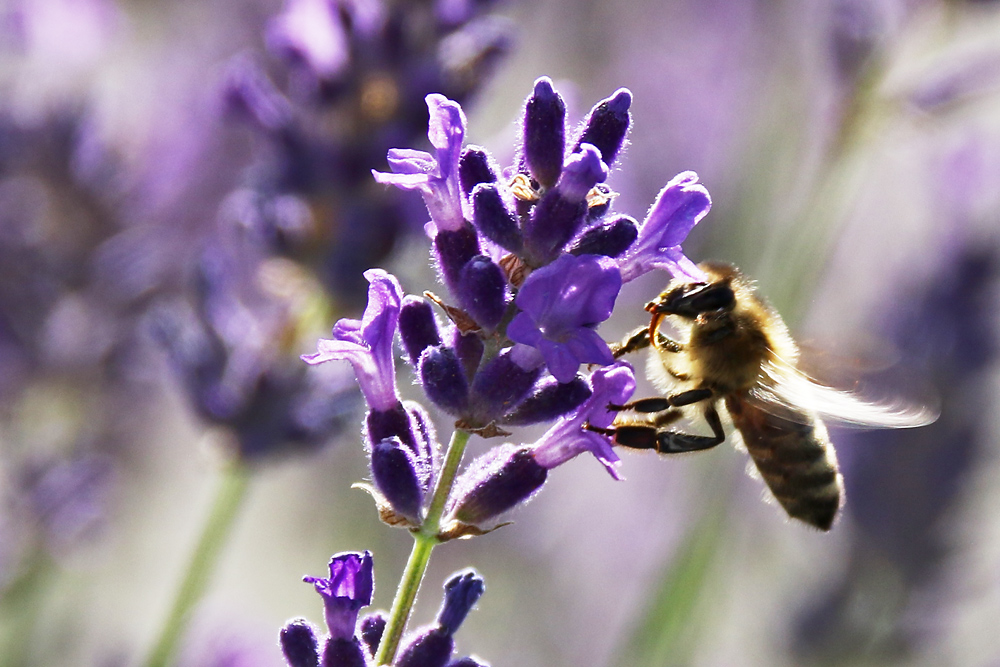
{"x": 736, "y": 349}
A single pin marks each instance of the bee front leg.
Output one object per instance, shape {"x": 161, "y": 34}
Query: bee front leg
{"x": 639, "y": 340}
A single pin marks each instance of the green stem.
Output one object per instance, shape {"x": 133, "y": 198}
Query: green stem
{"x": 424, "y": 541}
{"x": 228, "y": 500}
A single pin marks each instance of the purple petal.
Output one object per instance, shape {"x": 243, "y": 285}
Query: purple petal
{"x": 587, "y": 346}
{"x": 561, "y": 361}
{"x": 582, "y": 171}
{"x": 677, "y": 209}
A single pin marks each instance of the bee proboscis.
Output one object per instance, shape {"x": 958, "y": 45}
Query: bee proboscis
{"x": 735, "y": 349}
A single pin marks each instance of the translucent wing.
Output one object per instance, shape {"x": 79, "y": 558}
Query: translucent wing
{"x": 786, "y": 390}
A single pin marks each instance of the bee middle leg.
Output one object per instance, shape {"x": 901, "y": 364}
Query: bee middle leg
{"x": 662, "y": 403}
{"x": 654, "y": 434}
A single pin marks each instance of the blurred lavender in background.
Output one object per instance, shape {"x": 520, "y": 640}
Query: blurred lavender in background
{"x": 186, "y": 204}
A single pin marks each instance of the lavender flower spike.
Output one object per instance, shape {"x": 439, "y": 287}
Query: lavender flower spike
{"x": 567, "y": 438}
{"x": 560, "y": 303}
{"x": 348, "y": 589}
{"x": 436, "y": 176}
{"x": 677, "y": 209}
{"x": 367, "y": 343}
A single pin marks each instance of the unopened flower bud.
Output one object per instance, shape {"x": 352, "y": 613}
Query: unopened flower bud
{"x": 344, "y": 652}
{"x": 607, "y": 125}
{"x": 454, "y": 248}
{"x": 550, "y": 400}
{"x": 475, "y": 167}
{"x": 482, "y": 291}
{"x": 544, "y": 133}
{"x": 499, "y": 387}
{"x": 371, "y": 628}
{"x": 496, "y": 482}
{"x": 461, "y": 592}
{"x": 443, "y": 379}
{"x": 299, "y": 644}
{"x": 417, "y": 327}
{"x": 610, "y": 239}
{"x": 395, "y": 471}
{"x": 492, "y": 218}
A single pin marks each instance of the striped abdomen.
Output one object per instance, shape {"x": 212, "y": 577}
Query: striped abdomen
{"x": 794, "y": 456}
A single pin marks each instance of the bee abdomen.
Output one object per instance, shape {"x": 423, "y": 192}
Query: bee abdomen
{"x": 797, "y": 462}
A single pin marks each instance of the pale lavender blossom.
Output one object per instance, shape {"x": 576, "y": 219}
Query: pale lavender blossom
{"x": 367, "y": 343}
{"x": 435, "y": 176}
{"x": 677, "y": 209}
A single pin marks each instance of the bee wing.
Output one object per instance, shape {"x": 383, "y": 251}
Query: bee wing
{"x": 786, "y": 391}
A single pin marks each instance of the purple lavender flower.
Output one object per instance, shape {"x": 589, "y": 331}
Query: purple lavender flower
{"x": 677, "y": 209}
{"x": 567, "y": 438}
{"x": 435, "y": 176}
{"x": 433, "y": 646}
{"x": 560, "y": 304}
{"x": 367, "y": 343}
{"x": 348, "y": 589}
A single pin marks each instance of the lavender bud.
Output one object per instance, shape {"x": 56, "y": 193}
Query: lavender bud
{"x": 385, "y": 424}
{"x": 461, "y": 592}
{"x": 553, "y": 222}
{"x": 499, "y": 386}
{"x": 432, "y": 647}
{"x": 468, "y": 661}
{"x": 482, "y": 291}
{"x": 417, "y": 327}
{"x": 503, "y": 478}
{"x": 544, "y": 133}
{"x": 493, "y": 220}
{"x": 299, "y": 645}
{"x": 610, "y": 239}
{"x": 475, "y": 167}
{"x": 469, "y": 349}
{"x": 426, "y": 442}
{"x": 344, "y": 652}
{"x": 395, "y": 473}
{"x": 551, "y": 400}
{"x": 607, "y": 125}
{"x": 371, "y": 629}
{"x": 443, "y": 379}
{"x": 454, "y": 248}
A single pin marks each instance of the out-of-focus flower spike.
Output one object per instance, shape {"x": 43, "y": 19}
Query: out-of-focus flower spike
{"x": 681, "y": 204}
{"x": 550, "y": 400}
{"x": 607, "y": 125}
{"x": 492, "y": 218}
{"x": 310, "y": 33}
{"x": 395, "y": 474}
{"x": 482, "y": 291}
{"x": 475, "y": 167}
{"x": 610, "y": 239}
{"x": 561, "y": 213}
{"x": 496, "y": 482}
{"x": 443, "y": 379}
{"x": 371, "y": 628}
{"x": 249, "y": 94}
{"x": 461, "y": 593}
{"x": 544, "y": 133}
{"x": 299, "y": 644}
{"x": 417, "y": 327}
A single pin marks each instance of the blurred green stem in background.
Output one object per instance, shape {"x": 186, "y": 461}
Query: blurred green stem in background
{"x": 424, "y": 541}
{"x": 232, "y": 490}
{"x": 20, "y": 606}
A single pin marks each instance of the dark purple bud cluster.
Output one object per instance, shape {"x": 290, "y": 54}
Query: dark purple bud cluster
{"x": 353, "y": 643}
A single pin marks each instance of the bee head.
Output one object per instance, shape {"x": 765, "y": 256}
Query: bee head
{"x": 690, "y": 300}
